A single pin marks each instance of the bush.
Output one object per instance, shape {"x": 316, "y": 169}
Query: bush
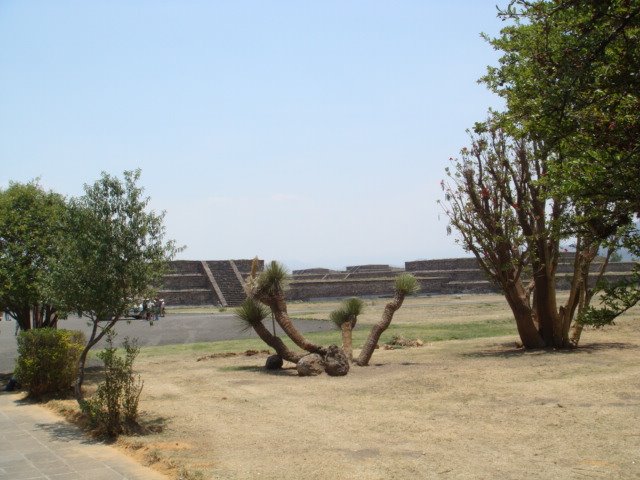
{"x": 114, "y": 407}
{"x": 47, "y": 360}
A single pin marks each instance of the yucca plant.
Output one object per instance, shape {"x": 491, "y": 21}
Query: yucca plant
{"x": 251, "y": 314}
{"x": 405, "y": 284}
{"x": 269, "y": 288}
{"x": 345, "y": 319}
{"x": 273, "y": 281}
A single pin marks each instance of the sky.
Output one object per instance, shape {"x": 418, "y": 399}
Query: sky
{"x": 315, "y": 133}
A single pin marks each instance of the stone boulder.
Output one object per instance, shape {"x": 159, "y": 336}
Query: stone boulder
{"x": 336, "y": 362}
{"x": 274, "y": 362}
{"x": 310, "y": 365}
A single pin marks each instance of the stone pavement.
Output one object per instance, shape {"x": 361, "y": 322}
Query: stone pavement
{"x": 37, "y": 444}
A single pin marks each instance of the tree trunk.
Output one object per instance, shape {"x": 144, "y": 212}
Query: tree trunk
{"x": 347, "y": 342}
{"x": 378, "y": 329}
{"x": 545, "y": 307}
{"x": 576, "y": 332}
{"x": 83, "y": 357}
{"x": 587, "y": 293}
{"x": 23, "y": 317}
{"x": 278, "y": 307}
{"x": 278, "y": 345}
{"x": 517, "y": 299}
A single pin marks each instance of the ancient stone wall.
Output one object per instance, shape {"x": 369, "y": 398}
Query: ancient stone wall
{"x": 442, "y": 264}
{"x": 187, "y": 284}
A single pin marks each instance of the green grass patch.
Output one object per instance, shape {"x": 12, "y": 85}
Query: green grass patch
{"x": 435, "y": 332}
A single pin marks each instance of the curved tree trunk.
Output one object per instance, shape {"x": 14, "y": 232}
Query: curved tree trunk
{"x": 347, "y": 342}
{"x": 278, "y": 345}
{"x": 278, "y": 307}
{"x": 377, "y": 330}
{"x": 83, "y": 356}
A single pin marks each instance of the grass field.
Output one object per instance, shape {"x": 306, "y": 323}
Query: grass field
{"x": 468, "y": 404}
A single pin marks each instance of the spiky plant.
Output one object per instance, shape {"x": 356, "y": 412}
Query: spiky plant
{"x": 269, "y": 289}
{"x": 345, "y": 319}
{"x": 354, "y": 307}
{"x": 405, "y": 284}
{"x": 272, "y": 281}
{"x": 251, "y": 314}
{"x": 339, "y": 316}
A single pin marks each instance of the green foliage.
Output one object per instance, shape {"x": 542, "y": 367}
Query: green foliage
{"x": 47, "y": 360}
{"x": 251, "y": 312}
{"x": 353, "y": 306}
{"x": 348, "y": 312}
{"x": 31, "y": 227}
{"x": 339, "y": 316}
{"x": 117, "y": 251}
{"x": 569, "y": 76}
{"x": 272, "y": 281}
{"x": 114, "y": 407}
{"x": 615, "y": 299}
{"x": 407, "y": 284}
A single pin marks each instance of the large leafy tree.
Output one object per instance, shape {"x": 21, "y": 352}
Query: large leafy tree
{"x": 116, "y": 253}
{"x": 31, "y": 228}
{"x": 570, "y": 76}
{"x": 509, "y": 219}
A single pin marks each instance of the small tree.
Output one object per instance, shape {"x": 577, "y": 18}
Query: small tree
{"x": 115, "y": 253}
{"x": 405, "y": 284}
{"x": 345, "y": 318}
{"x": 114, "y": 407}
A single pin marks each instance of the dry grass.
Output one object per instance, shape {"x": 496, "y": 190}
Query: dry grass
{"x": 477, "y": 408}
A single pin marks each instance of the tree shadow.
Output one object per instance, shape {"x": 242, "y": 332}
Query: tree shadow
{"x": 510, "y": 350}
{"x": 66, "y": 432}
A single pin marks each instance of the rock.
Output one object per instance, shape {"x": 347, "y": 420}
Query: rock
{"x": 274, "y": 362}
{"x": 336, "y": 362}
{"x": 310, "y": 365}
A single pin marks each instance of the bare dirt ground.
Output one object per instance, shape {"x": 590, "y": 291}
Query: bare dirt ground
{"x": 469, "y": 409}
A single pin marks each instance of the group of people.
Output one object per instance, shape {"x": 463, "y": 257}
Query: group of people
{"x": 153, "y": 308}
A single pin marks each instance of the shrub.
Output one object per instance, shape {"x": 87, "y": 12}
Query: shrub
{"x": 47, "y": 360}
{"x": 114, "y": 407}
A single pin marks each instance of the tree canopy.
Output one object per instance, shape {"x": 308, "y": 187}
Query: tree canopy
{"x": 115, "y": 254}
{"x": 31, "y": 227}
{"x": 561, "y": 162}
{"x": 570, "y": 76}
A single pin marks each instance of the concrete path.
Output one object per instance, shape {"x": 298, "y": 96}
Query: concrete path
{"x": 36, "y": 444}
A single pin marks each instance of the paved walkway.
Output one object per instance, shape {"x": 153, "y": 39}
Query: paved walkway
{"x": 37, "y": 444}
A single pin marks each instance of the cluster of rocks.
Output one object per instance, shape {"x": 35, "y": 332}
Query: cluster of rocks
{"x": 334, "y": 363}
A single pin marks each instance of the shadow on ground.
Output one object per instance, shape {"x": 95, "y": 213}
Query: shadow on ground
{"x": 509, "y": 350}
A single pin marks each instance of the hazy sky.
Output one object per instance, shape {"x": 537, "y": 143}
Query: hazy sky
{"x": 312, "y": 132}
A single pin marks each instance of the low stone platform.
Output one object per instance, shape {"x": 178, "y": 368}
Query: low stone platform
{"x": 219, "y": 282}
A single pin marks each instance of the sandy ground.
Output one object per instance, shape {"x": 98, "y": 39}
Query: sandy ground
{"x": 451, "y": 410}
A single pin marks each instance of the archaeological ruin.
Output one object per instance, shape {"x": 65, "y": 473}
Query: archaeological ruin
{"x": 219, "y": 282}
